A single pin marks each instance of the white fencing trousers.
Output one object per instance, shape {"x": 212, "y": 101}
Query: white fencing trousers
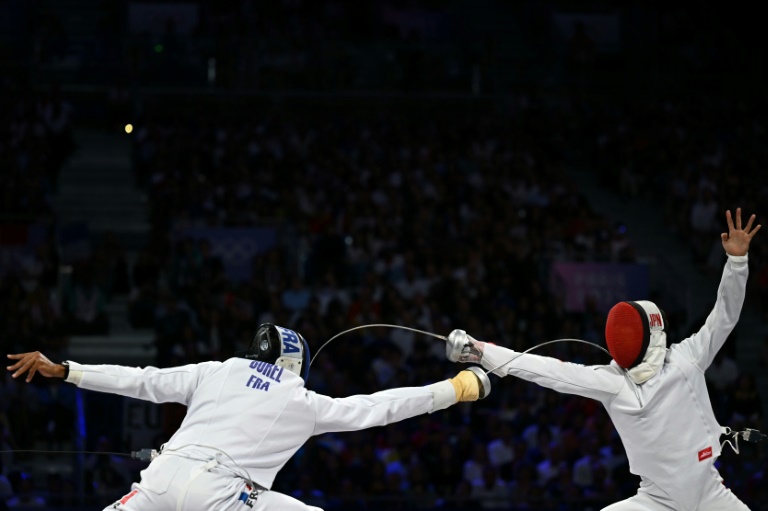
{"x": 214, "y": 490}
{"x": 714, "y": 497}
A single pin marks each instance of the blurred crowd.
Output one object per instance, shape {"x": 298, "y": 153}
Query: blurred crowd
{"x": 698, "y": 156}
{"x": 436, "y": 223}
{"x": 384, "y": 219}
{"x": 35, "y": 140}
{"x": 432, "y": 223}
{"x": 40, "y": 306}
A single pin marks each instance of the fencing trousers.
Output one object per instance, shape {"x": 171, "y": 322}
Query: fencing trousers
{"x": 193, "y": 485}
{"x": 714, "y": 497}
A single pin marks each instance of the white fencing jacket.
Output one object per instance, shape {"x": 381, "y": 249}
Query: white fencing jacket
{"x": 257, "y": 413}
{"x": 666, "y": 424}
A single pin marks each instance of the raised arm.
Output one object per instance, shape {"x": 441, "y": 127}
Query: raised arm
{"x": 175, "y": 384}
{"x": 366, "y": 411}
{"x": 595, "y": 382}
{"x": 702, "y": 346}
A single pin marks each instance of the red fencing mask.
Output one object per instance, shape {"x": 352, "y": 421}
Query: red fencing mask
{"x": 628, "y": 331}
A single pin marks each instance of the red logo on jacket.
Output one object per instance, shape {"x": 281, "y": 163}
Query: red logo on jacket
{"x": 705, "y": 453}
{"x": 655, "y": 320}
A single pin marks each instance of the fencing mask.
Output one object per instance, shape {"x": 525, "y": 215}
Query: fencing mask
{"x": 634, "y": 333}
{"x": 281, "y": 347}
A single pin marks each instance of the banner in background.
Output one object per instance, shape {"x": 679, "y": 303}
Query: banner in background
{"x": 607, "y": 283}
{"x": 236, "y": 246}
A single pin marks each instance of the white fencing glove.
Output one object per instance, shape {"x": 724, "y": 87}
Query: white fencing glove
{"x": 461, "y": 347}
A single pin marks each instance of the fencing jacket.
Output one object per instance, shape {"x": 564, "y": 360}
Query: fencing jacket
{"x": 666, "y": 424}
{"x": 257, "y": 413}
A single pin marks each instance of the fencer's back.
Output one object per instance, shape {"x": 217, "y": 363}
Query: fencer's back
{"x": 255, "y": 412}
{"x": 669, "y": 429}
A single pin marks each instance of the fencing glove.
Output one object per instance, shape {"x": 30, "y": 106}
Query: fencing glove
{"x": 461, "y": 347}
{"x": 471, "y": 384}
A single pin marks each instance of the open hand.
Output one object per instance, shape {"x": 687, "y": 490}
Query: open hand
{"x": 736, "y": 240}
{"x": 35, "y": 362}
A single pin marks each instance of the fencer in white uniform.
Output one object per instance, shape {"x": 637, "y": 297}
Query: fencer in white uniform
{"x": 246, "y": 417}
{"x": 656, "y": 396}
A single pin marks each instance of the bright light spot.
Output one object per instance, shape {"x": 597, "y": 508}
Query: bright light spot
{"x": 128, "y": 128}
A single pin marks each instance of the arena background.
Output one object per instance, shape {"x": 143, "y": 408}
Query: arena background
{"x": 175, "y": 173}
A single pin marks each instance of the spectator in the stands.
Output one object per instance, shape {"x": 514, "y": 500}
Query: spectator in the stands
{"x": 491, "y": 491}
{"x": 746, "y": 404}
{"x": 27, "y": 496}
{"x": 475, "y": 466}
{"x": 308, "y": 493}
{"x": 107, "y": 474}
{"x": 141, "y": 307}
{"x": 296, "y": 297}
{"x": 723, "y": 372}
{"x": 501, "y": 451}
{"x": 56, "y": 114}
{"x": 170, "y": 322}
{"x": 585, "y": 467}
{"x": 110, "y": 267}
{"x": 721, "y": 377}
{"x": 86, "y": 306}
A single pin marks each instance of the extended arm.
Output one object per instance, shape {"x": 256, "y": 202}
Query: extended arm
{"x": 381, "y": 408}
{"x": 174, "y": 384}
{"x": 171, "y": 385}
{"x": 595, "y": 382}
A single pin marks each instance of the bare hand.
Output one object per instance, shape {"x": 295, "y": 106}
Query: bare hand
{"x": 35, "y": 362}
{"x": 736, "y": 240}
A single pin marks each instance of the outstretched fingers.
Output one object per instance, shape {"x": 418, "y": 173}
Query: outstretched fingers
{"x": 18, "y": 364}
{"x": 749, "y": 224}
{"x": 752, "y": 234}
{"x": 729, "y": 218}
{"x": 25, "y": 367}
{"x": 738, "y": 218}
